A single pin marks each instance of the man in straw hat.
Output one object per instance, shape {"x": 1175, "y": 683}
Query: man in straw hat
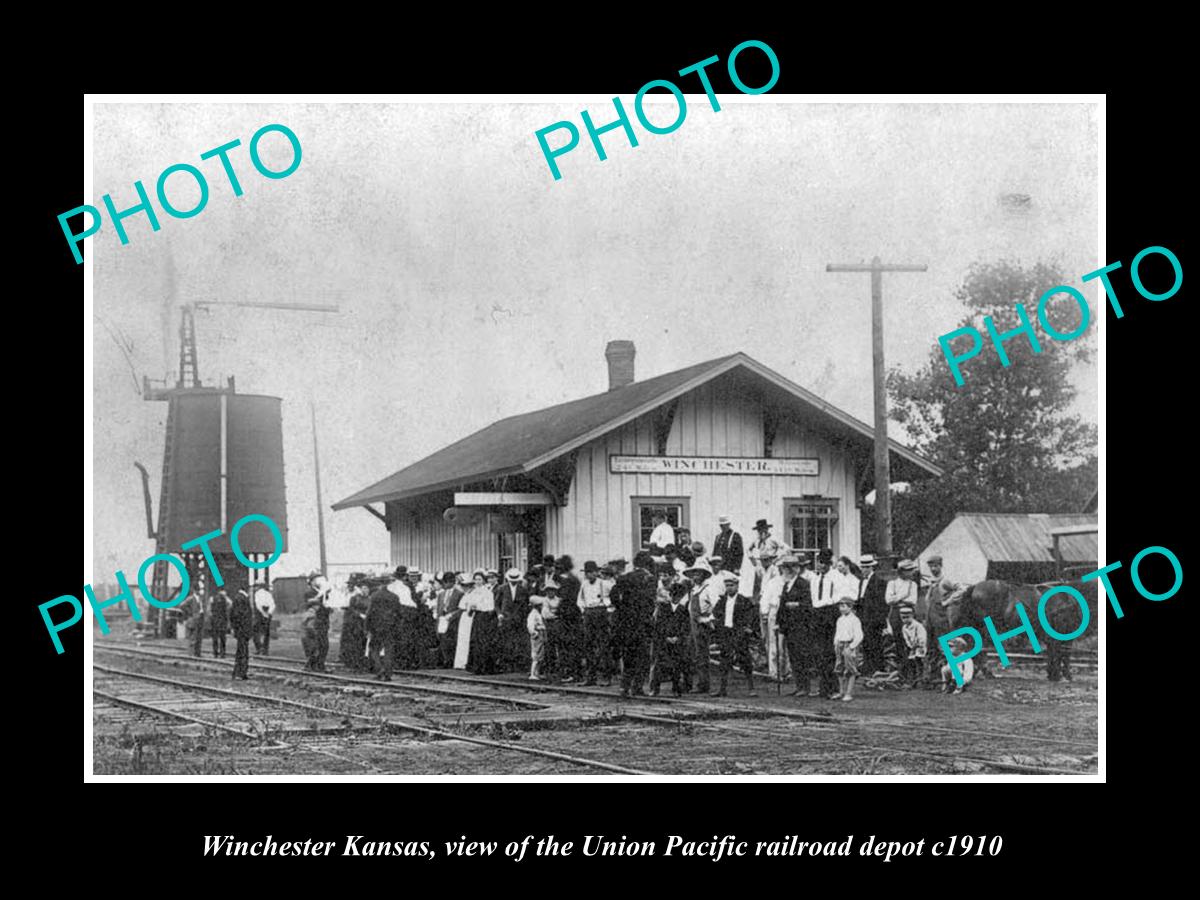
{"x": 700, "y": 606}
{"x": 728, "y": 544}
{"x": 512, "y": 602}
{"x": 901, "y": 591}
{"x": 797, "y": 622}
{"x": 873, "y": 613}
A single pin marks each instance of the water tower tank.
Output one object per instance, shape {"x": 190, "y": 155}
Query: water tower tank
{"x": 225, "y": 455}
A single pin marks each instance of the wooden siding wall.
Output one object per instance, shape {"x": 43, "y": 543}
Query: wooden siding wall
{"x": 429, "y": 543}
{"x": 597, "y": 521}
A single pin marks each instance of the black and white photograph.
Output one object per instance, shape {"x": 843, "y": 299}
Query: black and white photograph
{"x": 520, "y": 436}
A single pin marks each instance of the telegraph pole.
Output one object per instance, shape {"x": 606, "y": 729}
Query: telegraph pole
{"x": 883, "y": 478}
{"x": 317, "y": 469}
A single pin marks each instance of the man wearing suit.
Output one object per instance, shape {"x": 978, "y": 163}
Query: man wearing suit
{"x": 512, "y": 602}
{"x": 872, "y": 612}
{"x": 570, "y": 618}
{"x": 736, "y": 619}
{"x": 241, "y": 618}
{"x": 447, "y": 613}
{"x": 796, "y": 620}
{"x": 728, "y": 545}
{"x": 383, "y": 617}
{"x": 632, "y": 600}
{"x": 826, "y": 592}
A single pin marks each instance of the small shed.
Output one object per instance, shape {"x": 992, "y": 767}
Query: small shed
{"x": 1016, "y": 547}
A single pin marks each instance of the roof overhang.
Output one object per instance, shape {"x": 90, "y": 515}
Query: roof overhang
{"x": 739, "y": 360}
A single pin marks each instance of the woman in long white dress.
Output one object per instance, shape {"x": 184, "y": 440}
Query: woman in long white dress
{"x": 468, "y": 605}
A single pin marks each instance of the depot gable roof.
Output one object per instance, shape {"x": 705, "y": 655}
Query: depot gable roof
{"x": 522, "y": 443}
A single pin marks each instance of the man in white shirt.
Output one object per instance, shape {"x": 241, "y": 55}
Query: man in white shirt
{"x": 593, "y": 600}
{"x": 662, "y": 535}
{"x": 826, "y": 587}
{"x": 264, "y": 610}
{"x": 901, "y": 591}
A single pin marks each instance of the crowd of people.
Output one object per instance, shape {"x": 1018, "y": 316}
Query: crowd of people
{"x": 819, "y": 621}
{"x": 217, "y": 615}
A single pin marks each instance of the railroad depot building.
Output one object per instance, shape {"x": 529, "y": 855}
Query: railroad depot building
{"x": 724, "y": 437}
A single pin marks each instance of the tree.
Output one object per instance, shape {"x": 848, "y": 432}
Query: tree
{"x": 1005, "y": 438}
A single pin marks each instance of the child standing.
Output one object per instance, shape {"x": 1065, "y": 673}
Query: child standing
{"x": 966, "y": 668}
{"x": 846, "y": 639}
{"x": 914, "y": 641}
{"x": 536, "y": 626}
{"x": 553, "y": 645}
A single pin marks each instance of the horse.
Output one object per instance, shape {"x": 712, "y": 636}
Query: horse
{"x": 999, "y": 599}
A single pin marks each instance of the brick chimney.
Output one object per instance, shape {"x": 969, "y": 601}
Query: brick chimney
{"x": 620, "y": 356}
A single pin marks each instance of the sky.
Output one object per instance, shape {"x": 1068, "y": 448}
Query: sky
{"x": 473, "y": 286}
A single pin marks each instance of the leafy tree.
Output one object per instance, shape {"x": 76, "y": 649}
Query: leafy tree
{"x": 1005, "y": 439}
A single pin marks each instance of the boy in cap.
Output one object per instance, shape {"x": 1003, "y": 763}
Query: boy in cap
{"x": 912, "y": 636}
{"x": 901, "y": 591}
{"x": 736, "y": 618}
{"x": 846, "y": 639}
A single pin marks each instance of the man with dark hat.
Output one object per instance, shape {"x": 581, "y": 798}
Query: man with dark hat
{"x": 737, "y": 625}
{"x": 218, "y": 617}
{"x": 241, "y": 620}
{"x": 352, "y": 647}
{"x": 447, "y": 613}
{"x": 383, "y": 615}
{"x": 594, "y": 599}
{"x": 512, "y": 603}
{"x": 796, "y": 620}
{"x": 632, "y": 599}
{"x": 570, "y": 618}
{"x": 700, "y": 611}
{"x": 408, "y": 623}
{"x": 672, "y": 626}
{"x": 825, "y": 599}
{"x": 763, "y": 544}
{"x": 941, "y": 594}
{"x": 872, "y": 612}
{"x": 728, "y": 545}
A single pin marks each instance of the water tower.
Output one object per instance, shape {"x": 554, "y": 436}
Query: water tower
{"x": 222, "y": 460}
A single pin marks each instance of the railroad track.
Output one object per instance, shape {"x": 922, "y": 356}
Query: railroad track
{"x": 845, "y": 733}
{"x": 169, "y": 698}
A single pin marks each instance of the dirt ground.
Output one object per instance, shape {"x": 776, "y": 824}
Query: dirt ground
{"x": 1016, "y": 718}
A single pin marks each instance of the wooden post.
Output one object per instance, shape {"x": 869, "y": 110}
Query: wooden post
{"x": 317, "y": 470}
{"x": 883, "y": 480}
